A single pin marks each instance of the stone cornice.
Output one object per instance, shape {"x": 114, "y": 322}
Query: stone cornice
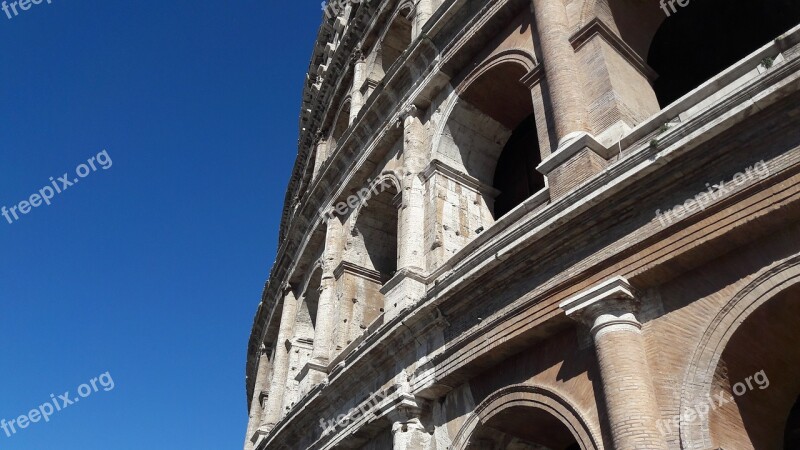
{"x": 355, "y": 269}
{"x": 614, "y": 289}
{"x": 532, "y": 78}
{"x": 613, "y": 181}
{"x": 414, "y": 273}
{"x": 438, "y": 167}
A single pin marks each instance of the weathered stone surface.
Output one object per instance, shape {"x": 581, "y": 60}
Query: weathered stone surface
{"x": 403, "y": 312}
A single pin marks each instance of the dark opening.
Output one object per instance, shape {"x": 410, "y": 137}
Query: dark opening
{"x": 312, "y": 297}
{"x": 791, "y": 437}
{"x": 397, "y": 40}
{"x": 525, "y": 429}
{"x": 377, "y": 224}
{"x": 341, "y": 125}
{"x": 704, "y": 38}
{"x": 515, "y": 176}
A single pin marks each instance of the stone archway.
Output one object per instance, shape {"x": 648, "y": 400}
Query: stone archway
{"x": 490, "y": 135}
{"x": 736, "y": 360}
{"x": 525, "y": 417}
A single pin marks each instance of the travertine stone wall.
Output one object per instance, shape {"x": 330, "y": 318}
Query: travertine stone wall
{"x": 415, "y": 318}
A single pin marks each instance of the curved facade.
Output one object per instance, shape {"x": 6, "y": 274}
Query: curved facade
{"x": 539, "y": 224}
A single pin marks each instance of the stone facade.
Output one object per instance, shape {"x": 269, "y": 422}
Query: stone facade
{"x": 513, "y": 224}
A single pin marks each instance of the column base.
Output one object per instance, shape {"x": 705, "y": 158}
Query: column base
{"x": 310, "y": 376}
{"x": 402, "y": 291}
{"x": 579, "y": 157}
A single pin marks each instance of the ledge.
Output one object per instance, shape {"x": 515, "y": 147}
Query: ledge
{"x": 569, "y": 147}
{"x": 355, "y": 269}
{"x": 615, "y": 288}
{"x": 442, "y": 168}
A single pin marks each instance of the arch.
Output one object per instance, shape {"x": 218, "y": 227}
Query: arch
{"x": 513, "y": 55}
{"x": 341, "y": 122}
{"x": 312, "y": 270}
{"x": 387, "y": 178}
{"x": 481, "y": 115}
{"x": 309, "y": 297}
{"x": 375, "y": 225}
{"x": 536, "y": 397}
{"x": 396, "y": 38}
{"x": 699, "y": 378}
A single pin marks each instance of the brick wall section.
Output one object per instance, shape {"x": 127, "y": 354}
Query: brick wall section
{"x": 577, "y": 169}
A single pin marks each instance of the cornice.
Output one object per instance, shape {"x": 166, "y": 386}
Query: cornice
{"x": 441, "y": 168}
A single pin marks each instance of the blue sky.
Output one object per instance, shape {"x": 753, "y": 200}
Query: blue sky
{"x": 152, "y": 269}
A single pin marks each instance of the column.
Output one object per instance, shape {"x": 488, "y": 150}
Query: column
{"x": 359, "y": 76}
{"x": 408, "y": 285}
{"x": 327, "y": 309}
{"x": 560, "y": 66}
{"x": 256, "y": 408}
{"x": 423, "y": 12}
{"x": 408, "y": 433}
{"x": 320, "y": 148}
{"x": 411, "y": 248}
{"x": 610, "y": 310}
{"x": 273, "y": 411}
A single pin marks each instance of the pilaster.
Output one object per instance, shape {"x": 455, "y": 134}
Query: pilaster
{"x": 274, "y": 409}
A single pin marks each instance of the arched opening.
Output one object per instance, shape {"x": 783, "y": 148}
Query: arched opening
{"x": 516, "y": 177}
{"x": 307, "y": 315}
{"x": 301, "y": 344}
{"x": 396, "y": 40}
{"x": 702, "y": 39}
{"x": 756, "y": 383}
{"x": 340, "y": 125}
{"x": 491, "y": 135}
{"x": 370, "y": 260}
{"x": 375, "y": 245}
{"x": 523, "y": 428}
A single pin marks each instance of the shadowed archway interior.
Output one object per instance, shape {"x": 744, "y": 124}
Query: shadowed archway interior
{"x": 707, "y": 36}
{"x": 523, "y": 428}
{"x": 759, "y": 375}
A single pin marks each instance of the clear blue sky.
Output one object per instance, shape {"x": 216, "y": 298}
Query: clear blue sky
{"x": 152, "y": 269}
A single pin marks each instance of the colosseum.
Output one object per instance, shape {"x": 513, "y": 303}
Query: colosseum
{"x": 539, "y": 224}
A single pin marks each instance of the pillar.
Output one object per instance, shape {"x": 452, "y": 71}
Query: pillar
{"x": 359, "y": 76}
{"x": 560, "y": 66}
{"x": 408, "y": 433}
{"x": 320, "y": 148}
{"x": 423, "y": 12}
{"x": 327, "y": 309}
{"x": 256, "y": 408}
{"x": 411, "y": 248}
{"x": 610, "y": 310}
{"x": 274, "y": 411}
{"x": 408, "y": 285}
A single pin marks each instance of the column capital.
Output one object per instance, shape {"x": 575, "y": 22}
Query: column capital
{"x": 403, "y": 410}
{"x": 612, "y": 304}
{"x": 410, "y": 111}
{"x": 358, "y": 55}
